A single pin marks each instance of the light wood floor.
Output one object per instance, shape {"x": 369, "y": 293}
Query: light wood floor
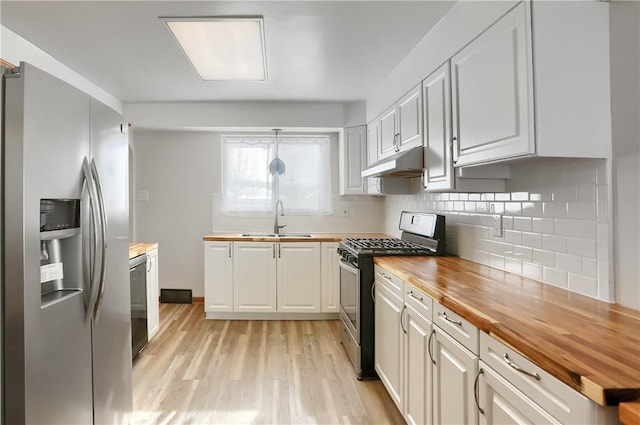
{"x": 251, "y": 372}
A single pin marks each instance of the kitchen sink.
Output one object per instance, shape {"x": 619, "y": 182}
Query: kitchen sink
{"x": 280, "y": 235}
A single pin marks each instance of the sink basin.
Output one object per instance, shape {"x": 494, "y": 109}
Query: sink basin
{"x": 280, "y": 235}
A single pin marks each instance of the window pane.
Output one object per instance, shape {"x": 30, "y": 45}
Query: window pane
{"x": 305, "y": 187}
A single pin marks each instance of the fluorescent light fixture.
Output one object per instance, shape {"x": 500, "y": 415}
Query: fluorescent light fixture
{"x": 222, "y": 48}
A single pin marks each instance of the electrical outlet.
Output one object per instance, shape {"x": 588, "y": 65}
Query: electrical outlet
{"x": 497, "y": 225}
{"x": 344, "y": 211}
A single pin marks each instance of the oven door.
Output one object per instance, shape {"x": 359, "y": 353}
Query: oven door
{"x": 350, "y": 298}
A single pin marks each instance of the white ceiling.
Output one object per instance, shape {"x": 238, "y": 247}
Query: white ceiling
{"x": 316, "y": 50}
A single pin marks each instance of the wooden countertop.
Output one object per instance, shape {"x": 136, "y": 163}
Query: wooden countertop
{"x": 629, "y": 412}
{"x": 590, "y": 345}
{"x": 315, "y": 237}
{"x": 140, "y": 248}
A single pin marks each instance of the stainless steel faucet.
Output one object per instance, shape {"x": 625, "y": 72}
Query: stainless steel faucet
{"x": 276, "y": 227}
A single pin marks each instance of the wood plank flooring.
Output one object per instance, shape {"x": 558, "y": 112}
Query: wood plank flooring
{"x": 198, "y": 371}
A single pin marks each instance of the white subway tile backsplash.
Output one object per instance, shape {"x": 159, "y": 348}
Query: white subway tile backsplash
{"x": 513, "y": 237}
{"x": 581, "y": 210}
{"x": 522, "y": 223}
{"x": 581, "y": 173}
{"x": 532, "y": 240}
{"x": 555, "y": 223}
{"x": 544, "y": 258}
{"x": 513, "y": 208}
{"x": 554, "y": 243}
{"x": 543, "y": 225}
{"x": 520, "y": 196}
{"x": 532, "y": 209}
{"x": 554, "y": 277}
{"x": 577, "y": 228}
{"x": 583, "y": 285}
{"x": 532, "y": 271}
{"x": 586, "y": 192}
{"x": 554, "y": 209}
{"x": 513, "y": 266}
{"x": 569, "y": 263}
{"x": 602, "y": 204}
{"x": 590, "y": 267}
{"x": 567, "y": 192}
{"x": 582, "y": 247}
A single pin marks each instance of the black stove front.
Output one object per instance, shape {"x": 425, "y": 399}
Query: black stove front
{"x": 357, "y": 304}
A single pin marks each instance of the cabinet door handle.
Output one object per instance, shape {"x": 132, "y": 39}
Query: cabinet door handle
{"x": 273, "y": 250}
{"x": 404, "y": 307}
{"x": 412, "y": 295}
{"x": 395, "y": 142}
{"x": 448, "y": 319}
{"x": 230, "y": 249}
{"x": 279, "y": 251}
{"x": 453, "y": 147}
{"x": 383, "y": 274}
{"x": 364, "y": 185}
{"x": 373, "y": 291}
{"x": 433, "y": 332}
{"x": 475, "y": 390}
{"x": 423, "y": 178}
{"x": 519, "y": 369}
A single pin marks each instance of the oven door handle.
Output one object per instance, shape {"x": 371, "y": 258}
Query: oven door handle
{"x": 348, "y": 267}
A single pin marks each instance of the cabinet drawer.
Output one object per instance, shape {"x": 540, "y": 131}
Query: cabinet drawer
{"x": 417, "y": 299}
{"x": 460, "y": 329}
{"x": 393, "y": 283}
{"x": 561, "y": 401}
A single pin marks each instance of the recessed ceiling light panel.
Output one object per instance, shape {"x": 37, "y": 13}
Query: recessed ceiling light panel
{"x": 221, "y": 48}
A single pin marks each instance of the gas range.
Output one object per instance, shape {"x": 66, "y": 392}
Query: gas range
{"x": 384, "y": 246}
{"x": 422, "y": 234}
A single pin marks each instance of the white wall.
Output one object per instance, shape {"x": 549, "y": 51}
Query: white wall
{"x": 210, "y": 115}
{"x": 555, "y": 219}
{"x": 625, "y": 108}
{"x": 16, "y": 49}
{"x": 181, "y": 171}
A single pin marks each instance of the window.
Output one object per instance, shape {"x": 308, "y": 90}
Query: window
{"x": 248, "y": 187}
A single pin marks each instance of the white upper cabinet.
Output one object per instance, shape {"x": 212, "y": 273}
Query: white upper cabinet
{"x": 493, "y": 93}
{"x": 535, "y": 83}
{"x": 410, "y": 120}
{"x": 373, "y": 145}
{"x": 436, "y": 93}
{"x": 401, "y": 124}
{"x": 388, "y": 133}
{"x": 353, "y": 160}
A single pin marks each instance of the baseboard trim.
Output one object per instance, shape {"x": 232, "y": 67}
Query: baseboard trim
{"x": 270, "y": 316}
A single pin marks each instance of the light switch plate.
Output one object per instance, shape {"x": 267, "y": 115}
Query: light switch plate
{"x": 143, "y": 196}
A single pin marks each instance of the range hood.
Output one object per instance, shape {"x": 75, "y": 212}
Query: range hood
{"x": 402, "y": 164}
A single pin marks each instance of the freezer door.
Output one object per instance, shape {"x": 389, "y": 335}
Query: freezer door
{"x": 47, "y": 349}
{"x": 111, "y": 336}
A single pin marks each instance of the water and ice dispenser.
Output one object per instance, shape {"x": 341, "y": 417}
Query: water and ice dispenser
{"x": 60, "y": 250}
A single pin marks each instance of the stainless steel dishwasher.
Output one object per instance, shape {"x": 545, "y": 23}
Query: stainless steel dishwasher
{"x": 138, "y": 281}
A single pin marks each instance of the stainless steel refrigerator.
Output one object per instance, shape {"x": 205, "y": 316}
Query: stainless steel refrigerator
{"x": 66, "y": 311}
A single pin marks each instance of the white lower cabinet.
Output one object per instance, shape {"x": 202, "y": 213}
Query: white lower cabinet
{"x": 502, "y": 403}
{"x": 454, "y": 372}
{"x": 153, "y": 307}
{"x": 254, "y": 277}
{"x": 218, "y": 276}
{"x": 298, "y": 276}
{"x": 418, "y": 371}
{"x": 389, "y": 341}
{"x": 269, "y": 277}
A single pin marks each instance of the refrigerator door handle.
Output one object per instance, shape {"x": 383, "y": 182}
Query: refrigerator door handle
{"x": 103, "y": 244}
{"x": 91, "y": 252}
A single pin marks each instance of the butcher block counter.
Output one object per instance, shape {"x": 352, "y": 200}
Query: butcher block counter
{"x": 140, "y": 248}
{"x": 313, "y": 237}
{"x": 590, "y": 345}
